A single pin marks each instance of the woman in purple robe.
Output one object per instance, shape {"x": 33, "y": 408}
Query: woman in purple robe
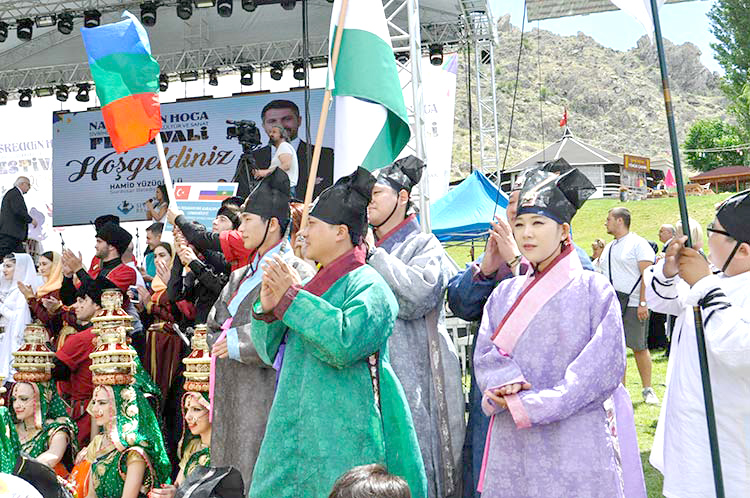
{"x": 549, "y": 354}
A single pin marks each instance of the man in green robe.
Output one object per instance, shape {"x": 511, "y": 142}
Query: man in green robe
{"x": 338, "y": 403}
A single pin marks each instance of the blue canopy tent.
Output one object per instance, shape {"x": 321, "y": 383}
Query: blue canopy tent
{"x": 465, "y": 212}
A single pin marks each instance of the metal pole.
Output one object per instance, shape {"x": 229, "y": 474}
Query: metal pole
{"x": 699, "y": 333}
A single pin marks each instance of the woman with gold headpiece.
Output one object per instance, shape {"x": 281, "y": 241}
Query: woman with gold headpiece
{"x": 127, "y": 458}
{"x": 40, "y": 416}
{"x": 50, "y": 269}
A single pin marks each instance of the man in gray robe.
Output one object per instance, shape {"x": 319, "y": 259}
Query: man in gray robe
{"x": 422, "y": 354}
{"x": 243, "y": 385}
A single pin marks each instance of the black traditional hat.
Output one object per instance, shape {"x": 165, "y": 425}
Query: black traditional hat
{"x": 270, "y": 198}
{"x": 556, "y": 196}
{"x": 734, "y": 216}
{"x": 345, "y": 203}
{"x": 558, "y": 166}
{"x": 94, "y": 288}
{"x": 105, "y": 218}
{"x": 404, "y": 174}
{"x": 113, "y": 234}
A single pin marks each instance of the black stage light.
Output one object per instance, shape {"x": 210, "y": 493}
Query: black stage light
{"x": 62, "y": 93}
{"x": 45, "y": 21}
{"x": 24, "y": 98}
{"x": 3, "y": 97}
{"x": 224, "y": 8}
{"x": 148, "y": 14}
{"x": 184, "y": 9}
{"x": 204, "y": 4}
{"x": 249, "y": 5}
{"x": 83, "y": 92}
{"x": 3, "y": 31}
{"x": 213, "y": 77}
{"x": 188, "y": 76}
{"x": 402, "y": 57}
{"x": 44, "y": 91}
{"x": 277, "y": 70}
{"x": 163, "y": 82}
{"x": 287, "y": 4}
{"x": 436, "y": 54}
{"x": 24, "y": 28}
{"x": 65, "y": 23}
{"x": 298, "y": 70}
{"x": 91, "y": 18}
{"x": 246, "y": 75}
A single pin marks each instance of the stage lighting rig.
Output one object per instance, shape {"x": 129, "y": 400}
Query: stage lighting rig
{"x": 45, "y": 21}
{"x": 83, "y": 92}
{"x": 298, "y": 70}
{"x": 3, "y": 97}
{"x": 91, "y": 18}
{"x": 61, "y": 93}
{"x": 184, "y": 9}
{"x": 246, "y": 75}
{"x": 163, "y": 82}
{"x": 65, "y": 23}
{"x": 148, "y": 14}
{"x": 436, "y": 54}
{"x": 213, "y": 77}
{"x": 24, "y": 29}
{"x": 44, "y": 91}
{"x": 249, "y": 5}
{"x": 277, "y": 70}
{"x": 288, "y": 4}
{"x": 402, "y": 57}
{"x": 224, "y": 8}
{"x": 204, "y": 4}
{"x": 3, "y": 31}
{"x": 189, "y": 76}
{"x": 24, "y": 97}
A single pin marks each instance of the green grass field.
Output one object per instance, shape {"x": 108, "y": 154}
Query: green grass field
{"x": 647, "y": 217}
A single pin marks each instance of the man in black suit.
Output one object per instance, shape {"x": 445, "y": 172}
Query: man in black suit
{"x": 286, "y": 113}
{"x": 14, "y": 218}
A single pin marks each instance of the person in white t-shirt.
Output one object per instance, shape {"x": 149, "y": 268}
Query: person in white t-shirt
{"x": 283, "y": 156}
{"x": 623, "y": 262}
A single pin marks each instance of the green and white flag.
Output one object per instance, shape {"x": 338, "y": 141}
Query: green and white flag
{"x": 372, "y": 126}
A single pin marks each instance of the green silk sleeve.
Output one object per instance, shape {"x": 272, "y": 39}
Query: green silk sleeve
{"x": 266, "y": 336}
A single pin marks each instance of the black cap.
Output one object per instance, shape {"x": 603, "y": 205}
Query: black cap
{"x": 558, "y": 166}
{"x": 734, "y": 216}
{"x": 345, "y": 203}
{"x": 270, "y": 198}
{"x": 94, "y": 288}
{"x": 113, "y": 234}
{"x": 106, "y": 218}
{"x": 404, "y": 174}
{"x": 230, "y": 212}
{"x": 555, "y": 196}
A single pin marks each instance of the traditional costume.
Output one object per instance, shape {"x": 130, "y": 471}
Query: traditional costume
{"x": 10, "y": 446}
{"x": 50, "y": 288}
{"x": 338, "y": 403}
{"x": 681, "y": 447}
{"x": 422, "y": 354}
{"x": 561, "y": 331}
{"x": 239, "y": 415}
{"x": 193, "y": 453}
{"x": 14, "y": 312}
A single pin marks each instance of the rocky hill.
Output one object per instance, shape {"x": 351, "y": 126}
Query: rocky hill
{"x": 614, "y": 98}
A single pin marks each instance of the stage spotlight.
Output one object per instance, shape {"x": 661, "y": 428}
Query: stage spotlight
{"x": 213, "y": 77}
{"x": 83, "y": 92}
{"x": 249, "y": 5}
{"x": 91, "y": 18}
{"x": 402, "y": 57}
{"x": 44, "y": 91}
{"x": 189, "y": 76}
{"x": 246, "y": 75}
{"x": 204, "y": 4}
{"x": 3, "y": 31}
{"x": 298, "y": 70}
{"x": 148, "y": 14}
{"x": 277, "y": 70}
{"x": 287, "y": 4}
{"x": 184, "y": 9}
{"x": 24, "y": 97}
{"x": 24, "y": 29}
{"x": 62, "y": 93}
{"x": 436, "y": 54}
{"x": 45, "y": 21}
{"x": 3, "y": 97}
{"x": 163, "y": 82}
{"x": 65, "y": 23}
{"x": 224, "y": 8}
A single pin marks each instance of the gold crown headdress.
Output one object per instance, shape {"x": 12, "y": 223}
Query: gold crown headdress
{"x": 113, "y": 360}
{"x": 33, "y": 360}
{"x": 198, "y": 363}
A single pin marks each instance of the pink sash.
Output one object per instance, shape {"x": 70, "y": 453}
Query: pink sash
{"x": 212, "y": 379}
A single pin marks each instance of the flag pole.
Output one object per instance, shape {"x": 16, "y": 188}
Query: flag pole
{"x": 313, "y": 171}
{"x": 165, "y": 171}
{"x": 697, "y": 316}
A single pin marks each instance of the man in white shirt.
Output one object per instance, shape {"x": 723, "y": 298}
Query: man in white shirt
{"x": 682, "y": 280}
{"x": 623, "y": 262}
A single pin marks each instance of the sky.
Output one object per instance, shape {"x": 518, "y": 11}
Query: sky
{"x": 680, "y": 23}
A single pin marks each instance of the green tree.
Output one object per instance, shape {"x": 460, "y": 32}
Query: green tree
{"x": 708, "y": 134}
{"x": 730, "y": 24}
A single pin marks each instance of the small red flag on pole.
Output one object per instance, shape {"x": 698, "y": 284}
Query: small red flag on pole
{"x": 564, "y": 120}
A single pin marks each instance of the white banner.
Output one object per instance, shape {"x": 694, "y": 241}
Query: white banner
{"x": 91, "y": 179}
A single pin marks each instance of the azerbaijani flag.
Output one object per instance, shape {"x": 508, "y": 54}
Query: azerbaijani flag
{"x": 215, "y": 195}
{"x": 126, "y": 77}
{"x": 372, "y": 126}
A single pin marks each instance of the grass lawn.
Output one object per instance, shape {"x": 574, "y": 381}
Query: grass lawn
{"x": 647, "y": 217}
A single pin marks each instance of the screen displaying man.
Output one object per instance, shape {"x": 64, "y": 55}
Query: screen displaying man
{"x": 286, "y": 113}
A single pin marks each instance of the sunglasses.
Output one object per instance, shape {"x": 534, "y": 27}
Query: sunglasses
{"x": 710, "y": 229}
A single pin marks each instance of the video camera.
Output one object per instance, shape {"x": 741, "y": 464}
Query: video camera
{"x": 246, "y": 132}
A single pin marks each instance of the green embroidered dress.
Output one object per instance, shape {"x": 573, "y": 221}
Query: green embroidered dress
{"x": 193, "y": 453}
{"x": 10, "y": 447}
